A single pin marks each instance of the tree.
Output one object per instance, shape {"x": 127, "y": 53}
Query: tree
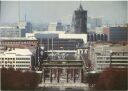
{"x": 92, "y": 78}
{"x": 16, "y": 80}
{"x": 112, "y": 79}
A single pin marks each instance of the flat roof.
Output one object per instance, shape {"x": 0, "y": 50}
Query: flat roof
{"x": 16, "y": 38}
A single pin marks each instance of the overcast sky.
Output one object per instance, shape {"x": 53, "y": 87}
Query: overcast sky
{"x": 41, "y": 12}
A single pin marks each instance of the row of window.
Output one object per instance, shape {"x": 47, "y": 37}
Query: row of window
{"x": 14, "y": 62}
{"x": 7, "y": 61}
{"x": 7, "y": 58}
{"x": 8, "y": 65}
{"x": 112, "y": 61}
{"x": 25, "y": 42}
{"x": 14, "y": 58}
{"x": 108, "y": 58}
{"x": 23, "y": 62}
{"x": 22, "y": 69}
{"x": 22, "y": 65}
{"x": 22, "y": 58}
{"x": 15, "y": 65}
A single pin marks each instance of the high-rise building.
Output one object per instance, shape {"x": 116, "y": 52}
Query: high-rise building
{"x": 55, "y": 26}
{"x": 79, "y": 21}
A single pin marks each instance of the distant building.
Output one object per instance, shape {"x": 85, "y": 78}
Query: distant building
{"x": 26, "y": 27}
{"x": 56, "y": 35}
{"x": 10, "y": 32}
{"x": 79, "y": 21}
{"x": 93, "y": 37}
{"x": 116, "y": 34}
{"x": 15, "y": 30}
{"x": 97, "y": 35}
{"x": 94, "y": 22}
{"x": 107, "y": 55}
{"x": 18, "y": 59}
{"x": 68, "y": 28}
{"x": 56, "y": 26}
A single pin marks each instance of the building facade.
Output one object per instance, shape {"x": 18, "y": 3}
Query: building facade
{"x": 116, "y": 34}
{"x": 19, "y": 42}
{"x": 105, "y": 56}
{"x": 79, "y": 21}
{"x": 18, "y": 59}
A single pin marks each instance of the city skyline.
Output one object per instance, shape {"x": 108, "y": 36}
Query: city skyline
{"x": 112, "y": 12}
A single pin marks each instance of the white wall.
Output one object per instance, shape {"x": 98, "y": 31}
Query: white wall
{"x": 74, "y": 36}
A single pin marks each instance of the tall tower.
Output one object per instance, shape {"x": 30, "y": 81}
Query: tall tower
{"x": 0, "y": 11}
{"x": 79, "y": 21}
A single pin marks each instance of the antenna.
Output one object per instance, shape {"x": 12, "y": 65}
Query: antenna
{"x": 25, "y": 17}
{"x": 19, "y": 10}
{"x": 0, "y": 11}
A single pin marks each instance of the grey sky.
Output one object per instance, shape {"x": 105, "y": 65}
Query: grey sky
{"x": 41, "y": 12}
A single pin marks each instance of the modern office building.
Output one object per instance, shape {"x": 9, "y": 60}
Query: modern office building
{"x": 79, "y": 21}
{"x": 18, "y": 59}
{"x": 107, "y": 55}
{"x": 117, "y": 34}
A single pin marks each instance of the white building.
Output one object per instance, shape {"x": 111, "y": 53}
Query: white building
{"x": 17, "y": 59}
{"x": 104, "y": 56}
{"x": 56, "y": 34}
{"x": 74, "y": 36}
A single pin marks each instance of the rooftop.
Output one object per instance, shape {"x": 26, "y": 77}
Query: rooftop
{"x": 16, "y": 38}
{"x": 17, "y": 51}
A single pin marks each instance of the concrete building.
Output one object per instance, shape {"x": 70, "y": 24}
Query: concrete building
{"x": 59, "y": 44}
{"x": 79, "y": 21}
{"x": 56, "y": 35}
{"x": 107, "y": 55}
{"x": 18, "y": 59}
{"x": 18, "y": 42}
